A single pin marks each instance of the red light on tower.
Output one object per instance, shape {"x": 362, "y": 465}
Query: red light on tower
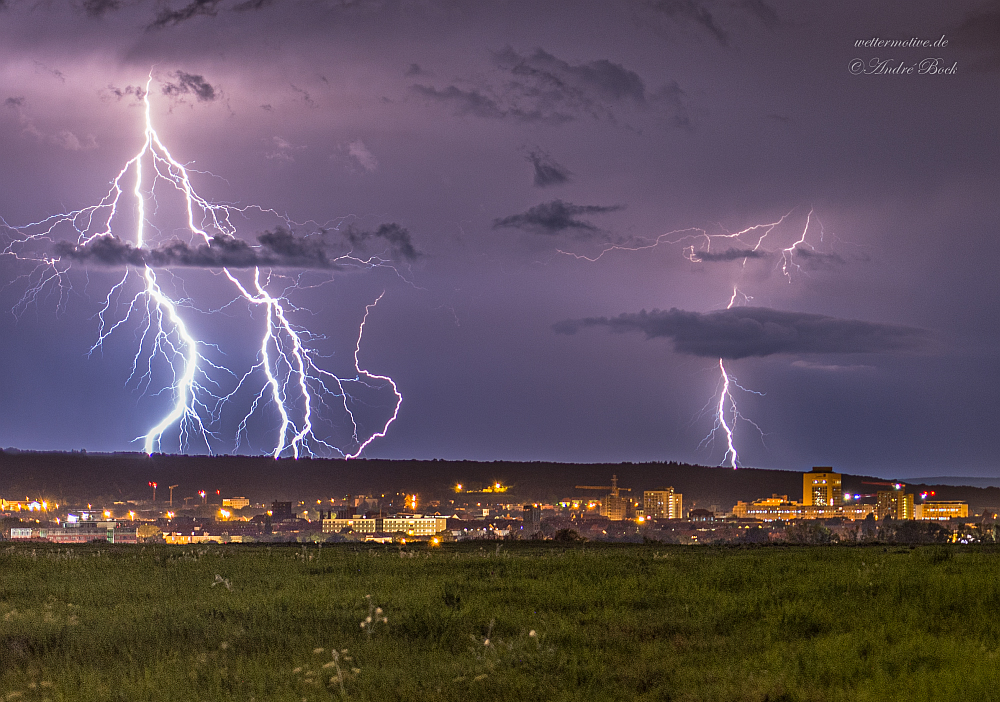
{"x": 153, "y": 485}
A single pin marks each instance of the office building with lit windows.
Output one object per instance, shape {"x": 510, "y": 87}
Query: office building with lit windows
{"x": 895, "y": 504}
{"x": 662, "y": 504}
{"x": 822, "y": 487}
{"x": 941, "y": 510}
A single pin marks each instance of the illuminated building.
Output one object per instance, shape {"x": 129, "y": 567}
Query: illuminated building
{"x": 409, "y": 524}
{"x": 14, "y": 505}
{"x": 780, "y": 507}
{"x": 414, "y": 525}
{"x": 822, "y": 487}
{"x": 942, "y": 509}
{"x": 496, "y": 487}
{"x": 768, "y": 509}
{"x": 662, "y": 504}
{"x": 236, "y": 502}
{"x": 895, "y": 504}
{"x": 359, "y": 525}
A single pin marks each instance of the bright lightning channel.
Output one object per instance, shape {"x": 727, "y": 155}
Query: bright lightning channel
{"x": 727, "y": 404}
{"x": 294, "y": 383}
{"x": 696, "y": 245}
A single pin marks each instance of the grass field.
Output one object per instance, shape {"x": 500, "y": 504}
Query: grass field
{"x": 521, "y": 621}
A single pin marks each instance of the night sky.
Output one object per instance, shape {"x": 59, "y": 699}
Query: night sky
{"x": 551, "y": 192}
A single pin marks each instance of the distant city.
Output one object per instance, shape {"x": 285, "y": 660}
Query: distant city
{"x": 886, "y": 511}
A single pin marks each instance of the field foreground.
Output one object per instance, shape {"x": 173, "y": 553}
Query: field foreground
{"x": 509, "y": 622}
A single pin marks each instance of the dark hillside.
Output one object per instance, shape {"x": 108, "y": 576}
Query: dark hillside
{"x": 85, "y": 477}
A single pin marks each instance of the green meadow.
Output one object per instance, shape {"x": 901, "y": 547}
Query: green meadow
{"x": 514, "y": 621}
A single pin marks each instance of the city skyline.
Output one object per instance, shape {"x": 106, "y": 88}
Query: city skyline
{"x": 791, "y": 250}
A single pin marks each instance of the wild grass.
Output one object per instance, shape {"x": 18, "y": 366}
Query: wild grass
{"x": 525, "y": 621}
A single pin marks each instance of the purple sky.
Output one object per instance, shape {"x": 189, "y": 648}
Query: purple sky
{"x": 509, "y": 143}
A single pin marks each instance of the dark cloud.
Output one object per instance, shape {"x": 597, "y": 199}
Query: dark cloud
{"x": 475, "y": 103}
{"x": 189, "y": 83}
{"x": 542, "y": 87}
{"x": 815, "y": 260}
{"x": 555, "y": 217}
{"x": 97, "y": 8}
{"x": 172, "y": 17}
{"x": 393, "y": 234}
{"x": 692, "y": 11}
{"x": 279, "y": 248}
{"x": 415, "y": 70}
{"x": 134, "y": 91}
{"x": 105, "y": 250}
{"x": 566, "y": 82}
{"x": 728, "y": 255}
{"x": 14, "y": 102}
{"x": 220, "y": 252}
{"x": 547, "y": 171}
{"x": 742, "y": 332}
{"x": 252, "y": 5}
{"x": 980, "y": 32}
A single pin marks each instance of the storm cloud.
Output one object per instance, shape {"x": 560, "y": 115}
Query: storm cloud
{"x": 541, "y": 87}
{"x": 189, "y": 83}
{"x": 816, "y": 260}
{"x": 743, "y": 332}
{"x": 728, "y": 255}
{"x": 219, "y": 252}
{"x": 476, "y": 103}
{"x": 279, "y": 248}
{"x": 547, "y": 171}
{"x": 252, "y": 5}
{"x": 168, "y": 17}
{"x": 97, "y": 8}
{"x": 397, "y": 237}
{"x": 556, "y": 217}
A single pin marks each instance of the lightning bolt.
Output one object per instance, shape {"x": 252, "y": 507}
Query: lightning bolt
{"x": 293, "y": 382}
{"x": 726, "y": 404}
{"x": 696, "y": 243}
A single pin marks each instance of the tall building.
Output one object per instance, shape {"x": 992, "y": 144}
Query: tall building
{"x": 281, "y": 510}
{"x": 615, "y": 506}
{"x": 531, "y": 515}
{"x": 895, "y": 504}
{"x": 662, "y": 504}
{"x": 821, "y": 487}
